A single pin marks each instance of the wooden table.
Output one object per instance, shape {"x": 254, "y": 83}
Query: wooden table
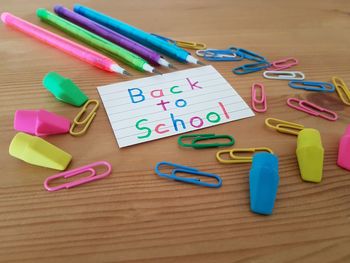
{"x": 135, "y": 216}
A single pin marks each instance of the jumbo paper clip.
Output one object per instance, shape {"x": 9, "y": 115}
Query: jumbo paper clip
{"x": 219, "y": 55}
{"x": 188, "y": 170}
{"x": 259, "y": 103}
{"x": 37, "y": 151}
{"x": 310, "y": 152}
{"x": 196, "y": 140}
{"x": 285, "y": 75}
{"x": 342, "y": 90}
{"x": 312, "y": 85}
{"x": 312, "y": 109}
{"x": 90, "y": 169}
{"x": 283, "y": 64}
{"x": 184, "y": 44}
{"x": 86, "y": 122}
{"x": 64, "y": 89}
{"x": 234, "y": 157}
{"x": 344, "y": 150}
{"x": 250, "y": 68}
{"x": 40, "y": 122}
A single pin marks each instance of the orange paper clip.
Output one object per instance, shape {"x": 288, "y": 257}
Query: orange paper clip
{"x": 78, "y": 171}
{"x": 312, "y": 109}
{"x": 87, "y": 120}
{"x": 259, "y": 103}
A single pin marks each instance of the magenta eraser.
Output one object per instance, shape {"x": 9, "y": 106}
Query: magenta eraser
{"x": 344, "y": 150}
{"x": 40, "y": 122}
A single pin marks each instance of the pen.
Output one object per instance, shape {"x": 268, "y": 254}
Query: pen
{"x": 136, "y": 34}
{"x": 71, "y": 48}
{"x": 93, "y": 40}
{"x": 112, "y": 36}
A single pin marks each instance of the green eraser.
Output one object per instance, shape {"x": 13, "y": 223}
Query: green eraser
{"x": 64, "y": 89}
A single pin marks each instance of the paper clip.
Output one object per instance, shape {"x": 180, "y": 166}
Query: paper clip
{"x": 284, "y": 126}
{"x": 188, "y": 170}
{"x": 259, "y": 101}
{"x": 248, "y": 54}
{"x": 312, "y": 85}
{"x": 92, "y": 176}
{"x": 184, "y": 44}
{"x": 312, "y": 109}
{"x": 87, "y": 120}
{"x": 342, "y": 90}
{"x": 283, "y": 64}
{"x": 196, "y": 138}
{"x": 250, "y": 68}
{"x": 219, "y": 55}
{"x": 287, "y": 75}
{"x": 239, "y": 159}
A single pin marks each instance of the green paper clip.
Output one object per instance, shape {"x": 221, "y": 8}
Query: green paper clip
{"x": 64, "y": 89}
{"x": 202, "y": 137}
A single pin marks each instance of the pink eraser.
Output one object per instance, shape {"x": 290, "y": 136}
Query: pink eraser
{"x": 40, "y": 122}
{"x": 344, "y": 150}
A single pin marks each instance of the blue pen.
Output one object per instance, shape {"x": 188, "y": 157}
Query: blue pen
{"x": 137, "y": 35}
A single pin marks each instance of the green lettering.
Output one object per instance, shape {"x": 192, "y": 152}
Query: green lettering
{"x": 149, "y": 131}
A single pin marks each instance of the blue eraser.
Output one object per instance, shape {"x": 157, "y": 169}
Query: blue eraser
{"x": 263, "y": 183}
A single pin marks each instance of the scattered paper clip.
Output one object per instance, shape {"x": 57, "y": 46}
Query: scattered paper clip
{"x": 259, "y": 104}
{"x": 87, "y": 120}
{"x": 219, "y": 55}
{"x": 283, "y": 64}
{"x": 342, "y": 90}
{"x": 92, "y": 176}
{"x": 184, "y": 44}
{"x": 233, "y": 158}
{"x": 248, "y": 54}
{"x": 250, "y": 68}
{"x": 312, "y": 85}
{"x": 286, "y": 75}
{"x": 188, "y": 170}
{"x": 196, "y": 138}
{"x": 312, "y": 109}
{"x": 284, "y": 126}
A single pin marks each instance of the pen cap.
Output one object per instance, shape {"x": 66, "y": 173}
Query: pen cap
{"x": 310, "y": 154}
{"x": 40, "y": 122}
{"x": 37, "y": 151}
{"x": 344, "y": 150}
{"x": 64, "y": 89}
{"x": 263, "y": 182}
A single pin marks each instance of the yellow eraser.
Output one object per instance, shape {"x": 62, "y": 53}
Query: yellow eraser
{"x": 310, "y": 155}
{"x": 37, "y": 151}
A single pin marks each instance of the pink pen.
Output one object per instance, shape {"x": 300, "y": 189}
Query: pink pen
{"x": 71, "y": 48}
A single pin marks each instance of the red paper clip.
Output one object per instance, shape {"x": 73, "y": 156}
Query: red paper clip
{"x": 312, "y": 109}
{"x": 78, "y": 171}
{"x": 283, "y": 64}
{"x": 259, "y": 101}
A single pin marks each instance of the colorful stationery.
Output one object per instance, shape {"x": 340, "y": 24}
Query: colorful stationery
{"x": 151, "y": 108}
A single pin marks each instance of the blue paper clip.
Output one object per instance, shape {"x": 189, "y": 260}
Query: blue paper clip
{"x": 250, "y": 68}
{"x": 312, "y": 85}
{"x": 219, "y": 55}
{"x": 248, "y": 54}
{"x": 188, "y": 170}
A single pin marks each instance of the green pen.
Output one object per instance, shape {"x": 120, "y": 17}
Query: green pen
{"x": 95, "y": 41}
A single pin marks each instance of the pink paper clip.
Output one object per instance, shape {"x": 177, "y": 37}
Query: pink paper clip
{"x": 312, "y": 109}
{"x": 259, "y": 101}
{"x": 78, "y": 171}
{"x": 283, "y": 64}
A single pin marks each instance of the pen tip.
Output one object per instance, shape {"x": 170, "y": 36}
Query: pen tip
{"x": 172, "y": 66}
{"x": 127, "y": 73}
{"x": 200, "y": 63}
{"x": 157, "y": 72}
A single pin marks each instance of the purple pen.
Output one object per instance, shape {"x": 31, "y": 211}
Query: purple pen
{"x": 144, "y": 52}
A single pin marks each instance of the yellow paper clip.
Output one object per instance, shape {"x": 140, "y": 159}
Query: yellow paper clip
{"x": 342, "y": 90}
{"x": 190, "y": 45}
{"x": 240, "y": 159}
{"x": 87, "y": 120}
{"x": 284, "y": 126}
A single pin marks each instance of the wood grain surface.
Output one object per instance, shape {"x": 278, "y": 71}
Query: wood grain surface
{"x": 134, "y": 215}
